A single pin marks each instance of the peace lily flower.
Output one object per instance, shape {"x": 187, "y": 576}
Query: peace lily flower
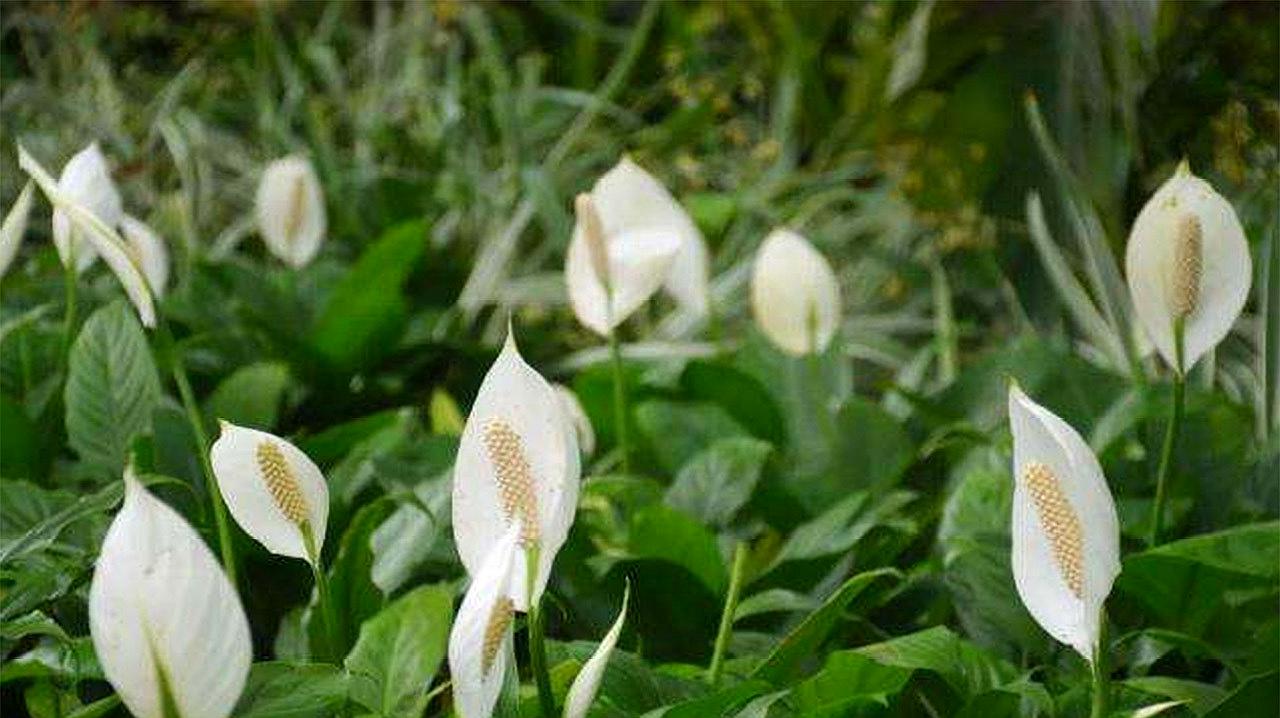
{"x": 290, "y": 208}
{"x": 14, "y": 227}
{"x": 578, "y": 417}
{"x": 480, "y": 643}
{"x": 153, "y": 256}
{"x": 587, "y": 683}
{"x": 1187, "y": 262}
{"x": 517, "y": 465}
{"x": 166, "y": 623}
{"x": 612, "y": 268}
{"x": 86, "y": 181}
{"x": 1066, "y": 537}
{"x": 274, "y": 491}
{"x": 97, "y": 232}
{"x": 794, "y": 294}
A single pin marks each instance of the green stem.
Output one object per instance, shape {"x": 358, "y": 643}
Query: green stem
{"x": 69, "y": 320}
{"x": 620, "y": 403}
{"x": 333, "y": 645}
{"x": 537, "y": 639}
{"x": 1170, "y": 438}
{"x": 226, "y": 548}
{"x": 726, "y": 618}
{"x": 1101, "y": 673}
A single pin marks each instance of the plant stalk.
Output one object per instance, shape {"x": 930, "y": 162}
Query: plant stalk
{"x": 323, "y": 603}
{"x": 726, "y": 618}
{"x": 69, "y": 318}
{"x": 1101, "y": 673}
{"x": 620, "y": 412}
{"x": 537, "y": 639}
{"x": 1170, "y": 438}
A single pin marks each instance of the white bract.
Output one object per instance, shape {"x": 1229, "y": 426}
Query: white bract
{"x": 587, "y": 683}
{"x": 517, "y": 464}
{"x": 85, "y": 181}
{"x": 794, "y": 294}
{"x": 273, "y": 490}
{"x": 14, "y": 227}
{"x": 578, "y": 417}
{"x": 153, "y": 255}
{"x": 97, "y": 233}
{"x": 612, "y": 268}
{"x": 480, "y": 643}
{"x": 163, "y": 616}
{"x": 290, "y": 209}
{"x": 1066, "y": 537}
{"x": 1187, "y": 259}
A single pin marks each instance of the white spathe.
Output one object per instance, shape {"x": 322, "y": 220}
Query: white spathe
{"x": 612, "y": 268}
{"x": 483, "y": 626}
{"x": 1042, "y": 439}
{"x": 159, "y": 602}
{"x": 578, "y": 417}
{"x": 1152, "y": 259}
{"x": 794, "y": 294}
{"x": 290, "y": 210}
{"x": 262, "y": 498}
{"x": 152, "y": 253}
{"x": 518, "y": 411}
{"x": 86, "y": 181}
{"x": 587, "y": 683}
{"x": 98, "y": 234}
{"x": 15, "y": 227}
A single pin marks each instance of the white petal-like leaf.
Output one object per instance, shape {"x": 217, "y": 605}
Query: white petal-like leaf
{"x": 14, "y": 227}
{"x": 1066, "y": 537}
{"x": 85, "y": 181}
{"x": 290, "y": 209}
{"x": 152, "y": 253}
{"x": 164, "y": 617}
{"x": 578, "y": 417}
{"x": 587, "y": 683}
{"x": 794, "y": 294}
{"x": 517, "y": 458}
{"x": 98, "y": 234}
{"x": 480, "y": 643}
{"x": 273, "y": 490}
{"x": 1160, "y": 273}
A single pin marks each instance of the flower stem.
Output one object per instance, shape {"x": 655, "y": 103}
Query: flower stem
{"x": 1170, "y": 437}
{"x": 620, "y": 403}
{"x": 726, "y": 618}
{"x": 1101, "y": 673}
{"x": 69, "y": 319}
{"x": 333, "y": 645}
{"x": 537, "y": 639}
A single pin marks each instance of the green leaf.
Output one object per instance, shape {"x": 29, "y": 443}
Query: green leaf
{"x": 846, "y": 678}
{"x": 354, "y": 595}
{"x": 774, "y": 600}
{"x": 277, "y": 689}
{"x": 741, "y": 395}
{"x": 966, "y": 668}
{"x": 251, "y": 396}
{"x": 803, "y": 642}
{"x": 664, "y": 533}
{"x": 717, "y": 482}
{"x": 718, "y": 703}
{"x": 1198, "y": 696}
{"x": 843, "y": 525}
{"x": 112, "y": 388}
{"x": 676, "y": 432}
{"x": 399, "y": 651}
{"x": 629, "y": 683}
{"x": 1257, "y": 696}
{"x": 32, "y": 518}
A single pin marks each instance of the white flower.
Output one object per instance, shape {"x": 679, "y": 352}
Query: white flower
{"x": 578, "y": 417}
{"x": 164, "y": 617}
{"x": 1187, "y": 259}
{"x": 14, "y": 227}
{"x": 1066, "y": 537}
{"x": 276, "y": 494}
{"x": 97, "y": 233}
{"x": 480, "y": 643}
{"x": 794, "y": 294}
{"x": 587, "y": 683}
{"x": 611, "y": 268}
{"x": 152, "y": 254}
{"x": 86, "y": 181}
{"x": 291, "y": 214}
{"x": 517, "y": 464}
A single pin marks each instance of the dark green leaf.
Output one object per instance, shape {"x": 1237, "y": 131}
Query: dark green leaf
{"x": 717, "y": 482}
{"x": 278, "y": 689}
{"x": 399, "y": 650}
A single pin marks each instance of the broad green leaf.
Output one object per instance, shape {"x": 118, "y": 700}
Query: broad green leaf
{"x": 840, "y": 527}
{"x": 251, "y": 396}
{"x": 803, "y": 642}
{"x": 399, "y": 651}
{"x": 1198, "y": 696}
{"x": 278, "y": 689}
{"x": 1257, "y": 696}
{"x": 848, "y": 677}
{"x": 741, "y": 395}
{"x": 112, "y": 388}
{"x": 676, "y": 432}
{"x": 660, "y": 532}
{"x": 353, "y": 594}
{"x": 965, "y": 667}
{"x": 719, "y": 703}
{"x": 32, "y": 518}
{"x": 65, "y": 661}
{"x": 410, "y": 536}
{"x": 20, "y": 445}
{"x": 719, "y": 480}
{"x": 773, "y": 600}
{"x": 630, "y": 685}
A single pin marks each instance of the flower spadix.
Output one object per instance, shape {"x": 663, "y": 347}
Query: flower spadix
{"x": 273, "y": 490}
{"x": 290, "y": 209}
{"x": 1066, "y": 537}
{"x": 480, "y": 643}
{"x": 166, "y": 623}
{"x": 85, "y": 181}
{"x": 517, "y": 465}
{"x": 615, "y": 263}
{"x": 1187, "y": 261}
{"x": 152, "y": 254}
{"x": 794, "y": 294}
{"x": 587, "y": 683}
